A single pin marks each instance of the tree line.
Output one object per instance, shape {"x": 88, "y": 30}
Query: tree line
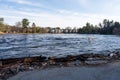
{"x": 22, "y": 27}
{"x": 106, "y": 27}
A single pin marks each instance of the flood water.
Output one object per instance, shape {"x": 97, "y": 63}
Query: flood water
{"x": 22, "y": 45}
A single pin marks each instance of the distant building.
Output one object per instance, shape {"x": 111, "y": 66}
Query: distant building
{"x": 74, "y": 30}
{"x": 1, "y": 20}
{"x": 66, "y": 30}
{"x": 52, "y": 30}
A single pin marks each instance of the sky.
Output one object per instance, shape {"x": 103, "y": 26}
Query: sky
{"x": 59, "y": 13}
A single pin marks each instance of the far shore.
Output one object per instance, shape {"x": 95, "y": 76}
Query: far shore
{"x": 2, "y": 32}
{"x": 29, "y": 33}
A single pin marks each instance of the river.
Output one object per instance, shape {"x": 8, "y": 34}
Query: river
{"x": 23, "y": 45}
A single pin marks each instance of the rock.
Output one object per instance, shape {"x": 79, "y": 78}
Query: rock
{"x": 42, "y": 58}
{"x": 44, "y": 64}
{"x": 67, "y": 64}
{"x": 11, "y": 71}
{"x": 2, "y": 74}
{"x": 7, "y": 72}
{"x": 1, "y": 64}
{"x": 114, "y": 55}
{"x": 51, "y": 58}
{"x": 70, "y": 58}
{"x": 111, "y": 55}
{"x": 26, "y": 61}
{"x": 76, "y": 63}
{"x": 62, "y": 59}
{"x": 82, "y": 58}
{"x": 52, "y": 62}
{"x": 31, "y": 68}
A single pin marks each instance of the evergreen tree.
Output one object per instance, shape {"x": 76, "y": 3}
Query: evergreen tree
{"x": 25, "y": 24}
{"x": 34, "y": 29}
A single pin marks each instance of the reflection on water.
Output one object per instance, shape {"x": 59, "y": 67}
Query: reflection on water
{"x": 19, "y": 45}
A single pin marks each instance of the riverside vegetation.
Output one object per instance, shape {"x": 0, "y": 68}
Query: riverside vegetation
{"x": 106, "y": 27}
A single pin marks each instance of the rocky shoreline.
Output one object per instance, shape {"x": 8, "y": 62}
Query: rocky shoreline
{"x": 11, "y": 67}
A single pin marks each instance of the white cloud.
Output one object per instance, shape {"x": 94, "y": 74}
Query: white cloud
{"x": 112, "y": 7}
{"x": 60, "y": 17}
{"x": 28, "y": 2}
{"x": 83, "y": 2}
{"x": 73, "y": 19}
{"x": 64, "y": 11}
{"x": 21, "y": 1}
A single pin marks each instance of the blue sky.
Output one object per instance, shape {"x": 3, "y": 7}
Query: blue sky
{"x": 59, "y": 13}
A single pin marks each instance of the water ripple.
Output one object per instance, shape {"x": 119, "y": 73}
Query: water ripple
{"x": 56, "y": 44}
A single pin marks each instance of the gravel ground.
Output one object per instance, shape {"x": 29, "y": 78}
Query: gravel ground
{"x": 107, "y": 72}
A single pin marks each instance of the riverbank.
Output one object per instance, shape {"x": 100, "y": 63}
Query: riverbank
{"x": 12, "y": 67}
{"x": 104, "y": 72}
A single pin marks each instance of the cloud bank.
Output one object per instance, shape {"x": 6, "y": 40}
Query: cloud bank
{"x": 59, "y": 14}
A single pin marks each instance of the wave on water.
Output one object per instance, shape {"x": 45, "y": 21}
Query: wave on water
{"x": 56, "y": 44}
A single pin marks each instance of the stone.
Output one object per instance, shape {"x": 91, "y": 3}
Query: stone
{"x": 70, "y": 58}
{"x": 52, "y": 62}
{"x": 1, "y": 65}
{"x": 27, "y": 61}
{"x": 44, "y": 64}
